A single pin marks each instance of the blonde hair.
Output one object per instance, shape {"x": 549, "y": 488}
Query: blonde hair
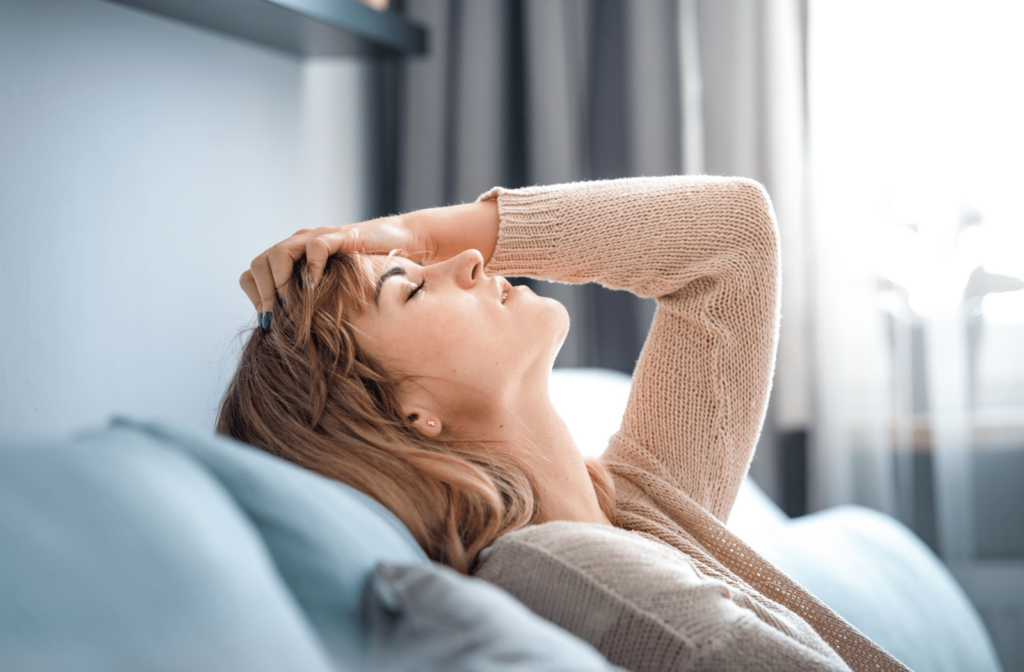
{"x": 306, "y": 392}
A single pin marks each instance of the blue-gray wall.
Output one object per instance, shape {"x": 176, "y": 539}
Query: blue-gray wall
{"x": 143, "y": 163}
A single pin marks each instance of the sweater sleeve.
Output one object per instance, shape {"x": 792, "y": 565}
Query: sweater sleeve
{"x": 706, "y": 248}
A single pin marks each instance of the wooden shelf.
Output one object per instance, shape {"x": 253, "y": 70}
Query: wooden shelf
{"x": 301, "y": 27}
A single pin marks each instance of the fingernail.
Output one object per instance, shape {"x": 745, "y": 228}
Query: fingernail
{"x": 280, "y": 301}
{"x": 266, "y": 319}
{"x": 259, "y": 319}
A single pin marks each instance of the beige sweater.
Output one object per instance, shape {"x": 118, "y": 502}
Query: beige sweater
{"x": 706, "y": 248}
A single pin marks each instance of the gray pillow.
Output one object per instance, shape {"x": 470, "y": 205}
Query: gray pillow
{"x": 428, "y": 617}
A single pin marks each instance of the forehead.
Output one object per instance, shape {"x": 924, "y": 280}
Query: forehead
{"x": 378, "y": 263}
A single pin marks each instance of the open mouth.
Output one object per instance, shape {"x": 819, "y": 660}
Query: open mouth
{"x": 506, "y": 287}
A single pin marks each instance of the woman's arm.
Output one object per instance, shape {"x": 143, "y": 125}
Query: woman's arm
{"x": 706, "y": 248}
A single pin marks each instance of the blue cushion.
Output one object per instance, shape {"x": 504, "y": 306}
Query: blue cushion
{"x": 324, "y": 537}
{"x": 430, "y": 619}
{"x": 118, "y": 554}
{"x": 145, "y": 547}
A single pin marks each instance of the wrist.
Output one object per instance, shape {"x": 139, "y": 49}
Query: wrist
{"x": 418, "y": 226}
{"x": 449, "y": 231}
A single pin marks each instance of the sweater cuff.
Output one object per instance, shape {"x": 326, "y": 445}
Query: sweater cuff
{"x": 528, "y": 230}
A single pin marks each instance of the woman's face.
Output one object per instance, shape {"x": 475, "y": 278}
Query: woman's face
{"x": 447, "y": 327}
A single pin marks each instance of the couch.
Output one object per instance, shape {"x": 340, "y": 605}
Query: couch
{"x": 144, "y": 546}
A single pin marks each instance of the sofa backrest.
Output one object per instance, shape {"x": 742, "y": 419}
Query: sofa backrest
{"x": 134, "y": 539}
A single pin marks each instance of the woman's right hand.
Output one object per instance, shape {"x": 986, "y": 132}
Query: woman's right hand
{"x": 425, "y": 236}
{"x": 272, "y": 269}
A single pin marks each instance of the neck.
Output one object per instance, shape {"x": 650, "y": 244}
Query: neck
{"x": 534, "y": 430}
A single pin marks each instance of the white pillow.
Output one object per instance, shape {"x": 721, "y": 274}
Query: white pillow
{"x": 591, "y": 401}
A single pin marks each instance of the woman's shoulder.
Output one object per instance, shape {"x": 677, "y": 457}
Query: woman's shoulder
{"x": 602, "y": 551}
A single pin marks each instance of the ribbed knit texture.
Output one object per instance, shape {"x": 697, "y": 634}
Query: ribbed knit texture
{"x": 707, "y": 249}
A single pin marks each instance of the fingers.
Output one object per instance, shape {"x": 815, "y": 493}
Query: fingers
{"x": 263, "y": 276}
{"x": 282, "y": 257}
{"x": 248, "y": 283}
{"x": 320, "y": 248}
{"x": 269, "y": 273}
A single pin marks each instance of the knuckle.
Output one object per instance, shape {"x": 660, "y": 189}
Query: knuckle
{"x": 281, "y": 249}
{"x": 317, "y": 247}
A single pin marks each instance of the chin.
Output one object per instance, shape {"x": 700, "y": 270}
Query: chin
{"x": 559, "y": 326}
{"x": 548, "y": 328}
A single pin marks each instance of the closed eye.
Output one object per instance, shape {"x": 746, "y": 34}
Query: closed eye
{"x": 413, "y": 292}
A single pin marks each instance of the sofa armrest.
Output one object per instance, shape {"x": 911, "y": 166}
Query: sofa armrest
{"x": 877, "y": 575}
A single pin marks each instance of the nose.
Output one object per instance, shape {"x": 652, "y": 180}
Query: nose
{"x": 466, "y": 268}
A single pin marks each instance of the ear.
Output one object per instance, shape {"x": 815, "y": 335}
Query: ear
{"x": 419, "y": 408}
{"x": 426, "y": 422}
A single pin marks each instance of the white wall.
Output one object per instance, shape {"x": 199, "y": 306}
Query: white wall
{"x": 143, "y": 163}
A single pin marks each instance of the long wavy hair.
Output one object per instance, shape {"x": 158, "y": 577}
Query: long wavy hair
{"x": 305, "y": 391}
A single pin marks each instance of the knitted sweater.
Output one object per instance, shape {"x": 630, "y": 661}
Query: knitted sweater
{"x": 706, "y": 248}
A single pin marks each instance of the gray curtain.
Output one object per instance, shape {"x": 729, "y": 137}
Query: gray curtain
{"x": 528, "y": 92}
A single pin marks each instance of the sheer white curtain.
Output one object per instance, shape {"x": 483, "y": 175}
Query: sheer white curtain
{"x": 916, "y": 138}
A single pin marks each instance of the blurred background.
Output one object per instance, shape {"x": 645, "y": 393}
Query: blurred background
{"x": 146, "y": 158}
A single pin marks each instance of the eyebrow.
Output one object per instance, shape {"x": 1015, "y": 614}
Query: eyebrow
{"x": 393, "y": 271}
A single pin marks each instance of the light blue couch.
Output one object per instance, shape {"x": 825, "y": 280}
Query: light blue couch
{"x": 145, "y": 547}
{"x": 142, "y": 547}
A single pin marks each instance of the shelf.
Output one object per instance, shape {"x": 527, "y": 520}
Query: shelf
{"x": 301, "y": 27}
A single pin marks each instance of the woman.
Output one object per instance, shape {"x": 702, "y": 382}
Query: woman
{"x": 420, "y": 378}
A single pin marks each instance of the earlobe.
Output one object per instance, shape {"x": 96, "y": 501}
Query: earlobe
{"x": 425, "y": 422}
